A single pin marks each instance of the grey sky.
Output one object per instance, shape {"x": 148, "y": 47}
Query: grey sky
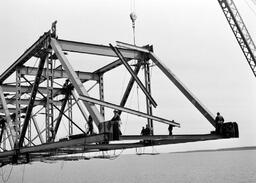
{"x": 192, "y": 37}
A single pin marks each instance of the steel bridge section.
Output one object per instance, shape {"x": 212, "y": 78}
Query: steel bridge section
{"x": 33, "y": 112}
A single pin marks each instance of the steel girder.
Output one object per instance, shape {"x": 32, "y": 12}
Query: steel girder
{"x": 31, "y": 142}
{"x": 35, "y": 48}
{"x": 31, "y": 101}
{"x": 94, "y": 49}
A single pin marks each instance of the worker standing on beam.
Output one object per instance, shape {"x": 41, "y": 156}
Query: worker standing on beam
{"x": 90, "y": 125}
{"x": 170, "y": 128}
{"x": 116, "y": 125}
{"x": 219, "y": 120}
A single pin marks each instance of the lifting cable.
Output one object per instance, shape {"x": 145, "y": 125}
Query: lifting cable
{"x": 133, "y": 17}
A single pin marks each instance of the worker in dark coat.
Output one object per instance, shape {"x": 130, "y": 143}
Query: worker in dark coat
{"x": 142, "y": 131}
{"x": 219, "y": 120}
{"x": 116, "y": 125}
{"x": 90, "y": 125}
{"x": 147, "y": 130}
{"x": 2, "y": 122}
{"x": 170, "y": 128}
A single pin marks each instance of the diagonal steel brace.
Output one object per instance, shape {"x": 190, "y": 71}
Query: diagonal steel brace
{"x": 120, "y": 56}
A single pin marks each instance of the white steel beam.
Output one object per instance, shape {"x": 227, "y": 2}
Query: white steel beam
{"x": 69, "y": 143}
{"x": 25, "y": 56}
{"x": 130, "y": 46}
{"x": 95, "y": 49}
{"x": 59, "y": 73}
{"x": 94, "y": 112}
{"x": 25, "y": 102}
{"x": 202, "y": 109}
{"x": 26, "y": 89}
{"x": 127, "y": 110}
{"x": 171, "y": 137}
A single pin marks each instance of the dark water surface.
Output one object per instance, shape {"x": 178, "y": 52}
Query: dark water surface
{"x": 198, "y": 167}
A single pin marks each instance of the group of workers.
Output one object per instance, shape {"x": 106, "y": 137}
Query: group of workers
{"x": 146, "y": 131}
{"x": 116, "y": 124}
{"x": 219, "y": 120}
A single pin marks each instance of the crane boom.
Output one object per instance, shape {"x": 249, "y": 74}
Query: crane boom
{"x": 240, "y": 31}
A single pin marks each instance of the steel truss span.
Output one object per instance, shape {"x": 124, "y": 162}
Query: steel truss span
{"x": 41, "y": 91}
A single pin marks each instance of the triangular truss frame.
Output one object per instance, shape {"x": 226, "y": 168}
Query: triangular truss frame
{"x": 22, "y": 140}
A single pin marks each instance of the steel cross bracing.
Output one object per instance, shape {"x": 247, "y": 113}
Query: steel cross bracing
{"x": 240, "y": 31}
{"x": 43, "y": 99}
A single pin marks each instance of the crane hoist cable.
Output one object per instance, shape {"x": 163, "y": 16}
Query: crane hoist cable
{"x": 133, "y": 18}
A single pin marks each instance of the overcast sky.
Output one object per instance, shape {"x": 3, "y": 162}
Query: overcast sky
{"x": 192, "y": 38}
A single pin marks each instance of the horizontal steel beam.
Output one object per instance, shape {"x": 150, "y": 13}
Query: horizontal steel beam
{"x": 127, "y": 110}
{"x": 171, "y": 137}
{"x": 133, "y": 47}
{"x": 95, "y": 49}
{"x": 25, "y": 56}
{"x": 61, "y": 144}
{"x": 155, "y": 140}
{"x": 27, "y": 89}
{"x": 37, "y": 102}
{"x": 59, "y": 73}
{"x": 69, "y": 143}
{"x": 109, "y": 67}
{"x": 11, "y": 110}
{"x": 82, "y": 146}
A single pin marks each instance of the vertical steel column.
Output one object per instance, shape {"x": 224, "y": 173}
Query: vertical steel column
{"x": 29, "y": 133}
{"x": 49, "y": 102}
{"x": 18, "y": 99}
{"x": 70, "y": 115}
{"x": 148, "y": 88}
{"x": 11, "y": 133}
{"x": 101, "y": 93}
{"x": 4, "y": 141}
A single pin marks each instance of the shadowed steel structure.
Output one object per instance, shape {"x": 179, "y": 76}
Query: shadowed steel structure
{"x": 36, "y": 100}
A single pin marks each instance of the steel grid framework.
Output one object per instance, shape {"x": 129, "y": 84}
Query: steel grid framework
{"x": 32, "y": 110}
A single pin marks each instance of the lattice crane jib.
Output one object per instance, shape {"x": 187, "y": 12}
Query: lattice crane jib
{"x": 240, "y": 31}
